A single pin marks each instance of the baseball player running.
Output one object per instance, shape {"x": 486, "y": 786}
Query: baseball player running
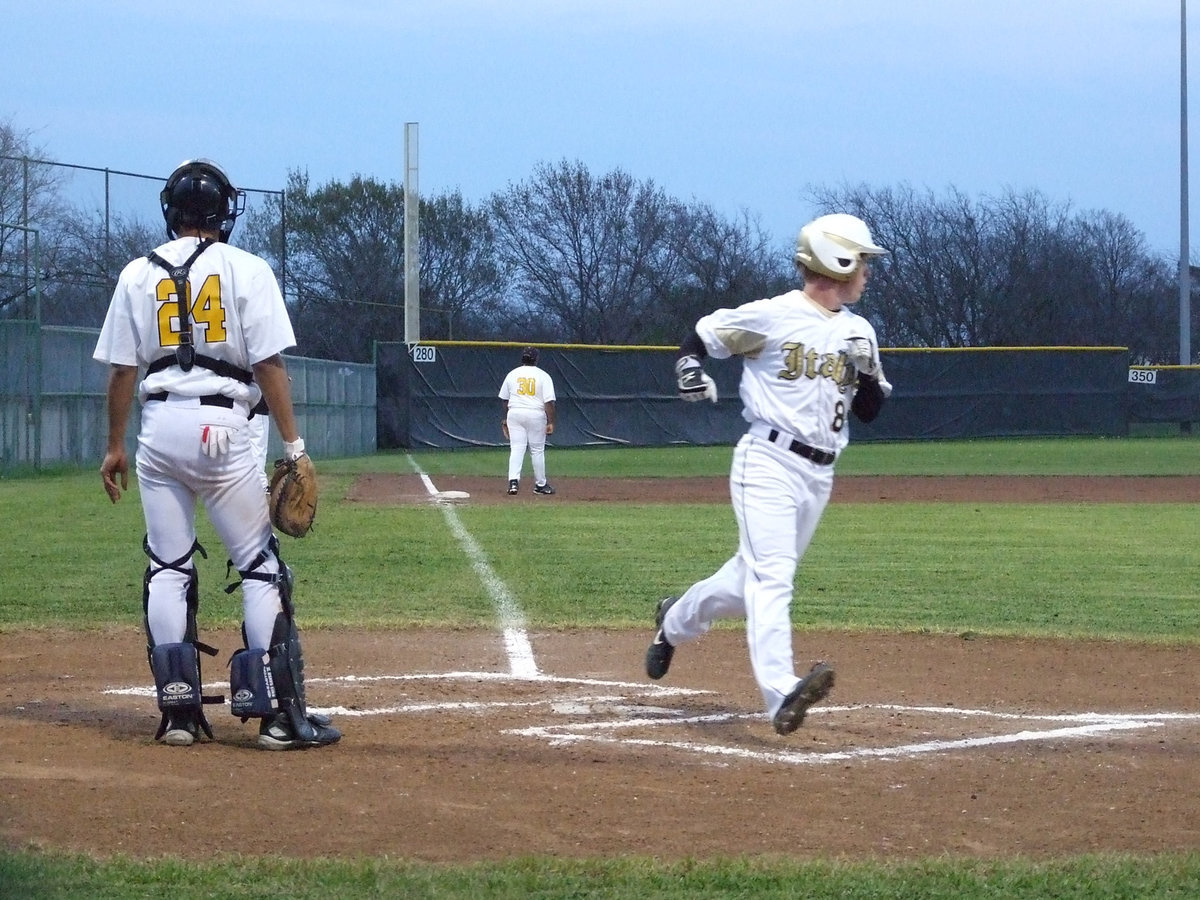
{"x": 807, "y": 363}
{"x": 528, "y": 395}
{"x": 207, "y": 323}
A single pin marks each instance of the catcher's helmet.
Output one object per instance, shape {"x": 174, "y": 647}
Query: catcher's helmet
{"x": 835, "y": 245}
{"x": 200, "y": 195}
{"x": 529, "y": 356}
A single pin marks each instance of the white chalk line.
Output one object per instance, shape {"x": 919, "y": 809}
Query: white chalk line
{"x": 573, "y": 736}
{"x": 1089, "y": 724}
{"x": 629, "y": 688}
{"x": 619, "y": 701}
{"x": 512, "y": 618}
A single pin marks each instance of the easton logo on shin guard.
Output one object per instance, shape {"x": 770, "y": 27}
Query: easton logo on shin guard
{"x": 176, "y": 675}
{"x": 251, "y": 684}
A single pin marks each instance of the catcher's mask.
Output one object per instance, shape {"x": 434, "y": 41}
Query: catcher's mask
{"x": 529, "y": 356}
{"x": 835, "y": 246}
{"x": 200, "y": 195}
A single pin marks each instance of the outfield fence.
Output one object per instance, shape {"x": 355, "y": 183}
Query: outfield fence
{"x": 52, "y": 400}
{"x": 443, "y": 394}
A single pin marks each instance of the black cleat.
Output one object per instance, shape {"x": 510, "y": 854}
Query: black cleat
{"x": 278, "y": 733}
{"x": 813, "y": 688}
{"x": 658, "y": 655}
{"x": 543, "y": 488}
{"x": 180, "y": 729}
{"x": 513, "y": 485}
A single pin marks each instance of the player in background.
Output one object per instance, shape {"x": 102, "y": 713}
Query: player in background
{"x": 208, "y": 324}
{"x": 808, "y": 361}
{"x": 528, "y": 395}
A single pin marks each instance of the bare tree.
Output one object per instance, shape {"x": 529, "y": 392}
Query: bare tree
{"x": 721, "y": 263}
{"x": 1131, "y": 294}
{"x": 463, "y": 279}
{"x": 589, "y": 254}
{"x": 29, "y": 198}
{"x": 345, "y": 264}
{"x": 86, "y": 260}
{"x": 1012, "y": 270}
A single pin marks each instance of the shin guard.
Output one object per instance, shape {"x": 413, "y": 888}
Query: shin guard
{"x": 176, "y": 666}
{"x": 287, "y": 670}
{"x": 251, "y": 685}
{"x": 284, "y": 669}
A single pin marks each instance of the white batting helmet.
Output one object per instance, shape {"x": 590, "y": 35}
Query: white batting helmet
{"x": 834, "y": 245}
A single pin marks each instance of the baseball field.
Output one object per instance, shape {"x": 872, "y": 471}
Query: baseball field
{"x": 1015, "y": 626}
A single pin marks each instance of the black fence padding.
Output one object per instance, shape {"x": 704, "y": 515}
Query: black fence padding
{"x": 627, "y": 396}
{"x": 947, "y": 394}
{"x": 1174, "y": 396}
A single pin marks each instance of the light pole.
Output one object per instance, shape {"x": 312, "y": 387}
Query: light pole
{"x": 1185, "y": 279}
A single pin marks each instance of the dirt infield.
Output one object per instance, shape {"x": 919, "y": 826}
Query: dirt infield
{"x": 394, "y": 489}
{"x": 929, "y": 745}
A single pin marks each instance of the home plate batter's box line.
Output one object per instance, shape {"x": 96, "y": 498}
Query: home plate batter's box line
{"x": 562, "y": 704}
{"x": 1089, "y": 725}
{"x": 1072, "y": 725}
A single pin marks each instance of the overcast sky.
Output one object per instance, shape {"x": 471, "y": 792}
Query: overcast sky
{"x": 742, "y": 104}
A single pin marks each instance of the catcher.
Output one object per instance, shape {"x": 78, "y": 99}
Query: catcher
{"x": 207, "y": 322}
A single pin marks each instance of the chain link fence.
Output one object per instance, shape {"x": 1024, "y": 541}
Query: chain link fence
{"x": 66, "y": 232}
{"x": 91, "y": 222}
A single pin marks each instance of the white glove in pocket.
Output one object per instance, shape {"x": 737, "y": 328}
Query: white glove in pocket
{"x": 214, "y": 440}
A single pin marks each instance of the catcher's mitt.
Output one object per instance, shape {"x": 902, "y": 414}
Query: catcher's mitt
{"x": 293, "y": 501}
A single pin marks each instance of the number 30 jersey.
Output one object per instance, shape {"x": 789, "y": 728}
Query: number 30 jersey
{"x": 795, "y": 373}
{"x": 527, "y": 387}
{"x": 236, "y": 309}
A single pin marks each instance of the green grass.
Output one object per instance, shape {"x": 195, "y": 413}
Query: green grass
{"x": 1038, "y": 569}
{"x": 1113, "y": 571}
{"x": 51, "y": 876}
{"x": 1043, "y": 456}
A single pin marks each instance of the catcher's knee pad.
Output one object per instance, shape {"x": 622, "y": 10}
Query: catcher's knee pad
{"x": 251, "y": 684}
{"x": 176, "y": 669}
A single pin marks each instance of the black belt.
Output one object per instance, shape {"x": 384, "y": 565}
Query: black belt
{"x": 820, "y": 457}
{"x": 206, "y": 400}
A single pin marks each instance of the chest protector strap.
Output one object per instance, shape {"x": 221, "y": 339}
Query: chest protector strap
{"x": 185, "y": 355}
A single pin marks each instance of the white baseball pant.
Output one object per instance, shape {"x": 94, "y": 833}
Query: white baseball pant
{"x": 173, "y": 473}
{"x": 778, "y": 498}
{"x": 527, "y": 429}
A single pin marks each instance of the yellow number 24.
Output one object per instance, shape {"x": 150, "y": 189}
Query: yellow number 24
{"x": 206, "y": 311}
